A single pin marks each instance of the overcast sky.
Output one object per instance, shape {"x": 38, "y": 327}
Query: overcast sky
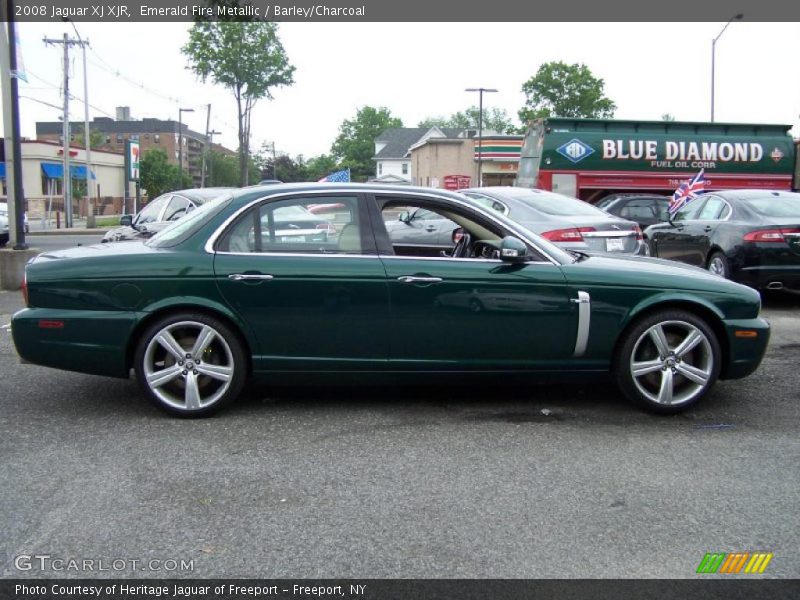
{"x": 421, "y": 69}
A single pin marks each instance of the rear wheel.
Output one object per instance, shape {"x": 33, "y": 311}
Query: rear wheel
{"x": 718, "y": 264}
{"x": 190, "y": 364}
{"x": 668, "y": 361}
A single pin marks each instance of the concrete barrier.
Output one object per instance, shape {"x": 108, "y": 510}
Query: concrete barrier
{"x": 12, "y": 266}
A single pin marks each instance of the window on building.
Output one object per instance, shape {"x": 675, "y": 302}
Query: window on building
{"x": 108, "y": 139}
{"x": 119, "y": 138}
{"x": 157, "y": 138}
{"x": 405, "y": 168}
{"x": 380, "y": 168}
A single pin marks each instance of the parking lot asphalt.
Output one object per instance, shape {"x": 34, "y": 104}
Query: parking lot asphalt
{"x": 494, "y": 481}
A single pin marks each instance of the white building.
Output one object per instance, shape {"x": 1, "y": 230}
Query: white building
{"x": 393, "y": 151}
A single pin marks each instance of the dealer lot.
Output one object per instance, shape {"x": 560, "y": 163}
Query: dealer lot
{"x": 546, "y": 481}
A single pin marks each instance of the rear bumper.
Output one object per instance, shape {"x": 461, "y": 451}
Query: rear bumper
{"x": 760, "y": 277}
{"x": 92, "y": 342}
{"x": 747, "y": 343}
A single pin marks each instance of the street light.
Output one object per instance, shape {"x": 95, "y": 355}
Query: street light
{"x": 737, "y": 17}
{"x": 480, "y": 129}
{"x": 180, "y": 136}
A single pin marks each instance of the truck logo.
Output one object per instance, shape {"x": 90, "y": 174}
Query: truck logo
{"x": 575, "y": 150}
{"x": 776, "y": 154}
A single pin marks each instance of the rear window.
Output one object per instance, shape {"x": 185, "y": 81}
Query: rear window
{"x": 555, "y": 204}
{"x": 785, "y": 205}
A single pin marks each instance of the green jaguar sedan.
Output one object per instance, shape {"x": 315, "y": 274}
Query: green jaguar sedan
{"x": 237, "y": 289}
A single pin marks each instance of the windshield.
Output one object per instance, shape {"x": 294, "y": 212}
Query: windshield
{"x": 183, "y": 228}
{"x": 785, "y": 205}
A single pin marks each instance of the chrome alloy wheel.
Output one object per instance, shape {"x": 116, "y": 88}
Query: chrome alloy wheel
{"x": 672, "y": 363}
{"x": 188, "y": 365}
{"x": 717, "y": 266}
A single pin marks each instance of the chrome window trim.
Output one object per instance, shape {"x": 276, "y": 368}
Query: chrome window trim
{"x": 584, "y": 303}
{"x": 209, "y": 245}
{"x": 728, "y": 204}
{"x": 600, "y": 234}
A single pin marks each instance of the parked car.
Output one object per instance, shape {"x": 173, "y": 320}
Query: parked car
{"x": 5, "y": 224}
{"x": 645, "y": 209}
{"x": 567, "y": 222}
{"x": 750, "y": 236}
{"x": 160, "y": 212}
{"x": 221, "y": 296}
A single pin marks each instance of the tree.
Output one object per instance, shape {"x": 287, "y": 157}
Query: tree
{"x": 562, "y": 90}
{"x": 247, "y": 58}
{"x": 667, "y": 117}
{"x": 494, "y": 119}
{"x": 96, "y": 139}
{"x": 318, "y": 167}
{"x": 223, "y": 169}
{"x": 157, "y": 176}
{"x": 354, "y": 147}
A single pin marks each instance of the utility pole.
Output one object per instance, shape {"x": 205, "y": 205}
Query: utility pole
{"x": 87, "y": 143}
{"x": 67, "y": 175}
{"x": 205, "y": 148}
{"x": 480, "y": 129}
{"x": 210, "y": 135}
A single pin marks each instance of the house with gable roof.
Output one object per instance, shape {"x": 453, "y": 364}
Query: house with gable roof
{"x": 393, "y": 151}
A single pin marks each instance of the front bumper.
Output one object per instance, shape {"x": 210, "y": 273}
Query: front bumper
{"x": 747, "y": 343}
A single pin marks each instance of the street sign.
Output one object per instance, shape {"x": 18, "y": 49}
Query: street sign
{"x": 131, "y": 160}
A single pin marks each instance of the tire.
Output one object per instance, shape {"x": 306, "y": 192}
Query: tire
{"x": 652, "y": 369}
{"x": 718, "y": 264}
{"x": 173, "y": 379}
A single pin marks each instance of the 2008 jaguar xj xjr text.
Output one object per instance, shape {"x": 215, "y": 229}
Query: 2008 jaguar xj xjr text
{"x": 241, "y": 288}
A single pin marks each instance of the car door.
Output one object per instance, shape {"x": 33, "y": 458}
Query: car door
{"x": 674, "y": 240}
{"x": 699, "y": 230}
{"x": 458, "y": 313}
{"x": 316, "y": 299}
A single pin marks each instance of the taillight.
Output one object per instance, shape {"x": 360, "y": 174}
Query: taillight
{"x": 573, "y": 234}
{"x": 638, "y": 230}
{"x": 769, "y": 235}
{"x": 25, "y": 289}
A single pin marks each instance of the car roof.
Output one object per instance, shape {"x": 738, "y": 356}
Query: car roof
{"x": 201, "y": 195}
{"x": 750, "y": 194}
{"x": 259, "y": 191}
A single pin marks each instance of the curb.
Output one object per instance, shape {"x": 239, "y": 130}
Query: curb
{"x": 95, "y": 231}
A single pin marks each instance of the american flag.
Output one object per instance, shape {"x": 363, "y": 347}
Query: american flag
{"x": 342, "y": 176}
{"x": 687, "y": 192}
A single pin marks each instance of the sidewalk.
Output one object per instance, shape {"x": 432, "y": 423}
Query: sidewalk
{"x": 78, "y": 228}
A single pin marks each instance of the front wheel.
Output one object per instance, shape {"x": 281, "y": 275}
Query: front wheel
{"x": 190, "y": 364}
{"x": 668, "y": 361}
{"x": 718, "y": 265}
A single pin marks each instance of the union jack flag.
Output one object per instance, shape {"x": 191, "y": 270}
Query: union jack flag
{"x": 687, "y": 192}
{"x": 342, "y": 176}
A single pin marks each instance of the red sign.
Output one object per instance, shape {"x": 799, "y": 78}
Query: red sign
{"x": 456, "y": 182}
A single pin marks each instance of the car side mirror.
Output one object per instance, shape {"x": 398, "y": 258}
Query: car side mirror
{"x": 126, "y": 220}
{"x": 513, "y": 250}
{"x": 404, "y": 217}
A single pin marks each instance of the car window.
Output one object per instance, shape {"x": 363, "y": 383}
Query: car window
{"x": 176, "y": 208}
{"x": 288, "y": 226}
{"x": 489, "y": 203}
{"x": 638, "y": 209}
{"x": 182, "y": 229}
{"x": 554, "y": 204}
{"x": 151, "y": 212}
{"x": 712, "y": 209}
{"x": 785, "y": 205}
{"x": 690, "y": 210}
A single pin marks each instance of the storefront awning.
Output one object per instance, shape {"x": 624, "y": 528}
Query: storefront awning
{"x": 56, "y": 171}
{"x": 2, "y": 170}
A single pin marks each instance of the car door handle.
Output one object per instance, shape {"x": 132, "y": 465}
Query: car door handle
{"x": 249, "y": 277}
{"x": 415, "y": 279}
{"x": 430, "y": 228}
{"x": 707, "y": 228}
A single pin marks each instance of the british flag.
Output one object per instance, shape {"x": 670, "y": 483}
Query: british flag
{"x": 687, "y": 192}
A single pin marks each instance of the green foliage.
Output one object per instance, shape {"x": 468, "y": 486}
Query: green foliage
{"x": 667, "y": 117}
{"x": 222, "y": 170}
{"x": 562, "y": 90}
{"x": 245, "y": 57}
{"x": 96, "y": 139}
{"x": 354, "y": 147}
{"x": 157, "y": 176}
{"x": 494, "y": 119}
{"x": 318, "y": 167}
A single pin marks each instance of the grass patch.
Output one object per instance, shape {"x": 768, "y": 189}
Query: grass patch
{"x": 106, "y": 221}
